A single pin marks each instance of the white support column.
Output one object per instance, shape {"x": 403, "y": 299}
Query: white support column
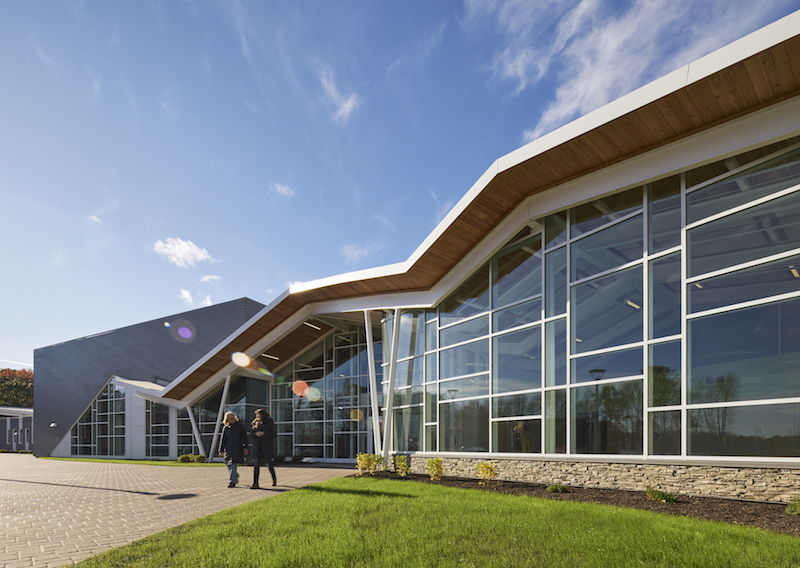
{"x": 220, "y": 415}
{"x": 196, "y": 431}
{"x": 373, "y": 384}
{"x": 387, "y": 420}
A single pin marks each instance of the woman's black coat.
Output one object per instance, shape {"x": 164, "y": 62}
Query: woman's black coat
{"x": 233, "y": 443}
{"x": 264, "y": 446}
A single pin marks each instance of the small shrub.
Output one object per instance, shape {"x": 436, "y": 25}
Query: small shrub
{"x": 401, "y": 465}
{"x": 793, "y": 508}
{"x": 435, "y": 468}
{"x": 186, "y": 458}
{"x": 557, "y": 489}
{"x": 3, "y": 451}
{"x": 657, "y": 495}
{"x": 487, "y": 472}
{"x": 280, "y": 458}
{"x": 368, "y": 463}
{"x": 297, "y": 458}
{"x": 200, "y": 459}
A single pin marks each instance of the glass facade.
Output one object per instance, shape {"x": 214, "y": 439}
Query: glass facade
{"x": 663, "y": 320}
{"x": 101, "y": 429}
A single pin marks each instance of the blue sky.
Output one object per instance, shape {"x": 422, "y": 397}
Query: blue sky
{"x": 157, "y": 157}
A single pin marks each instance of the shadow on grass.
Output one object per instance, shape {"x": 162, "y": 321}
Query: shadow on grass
{"x": 360, "y": 492}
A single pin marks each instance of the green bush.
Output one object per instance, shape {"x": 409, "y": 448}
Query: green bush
{"x": 793, "y": 508}
{"x": 368, "y": 463}
{"x": 557, "y": 489}
{"x": 657, "y": 495}
{"x": 186, "y": 458}
{"x": 200, "y": 459}
{"x": 401, "y": 465}
{"x": 487, "y": 472}
{"x": 435, "y": 468}
{"x": 280, "y": 458}
{"x": 297, "y": 458}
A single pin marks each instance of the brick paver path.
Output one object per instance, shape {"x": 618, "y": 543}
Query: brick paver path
{"x": 55, "y": 512}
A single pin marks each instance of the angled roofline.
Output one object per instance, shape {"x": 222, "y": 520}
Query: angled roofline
{"x": 753, "y": 73}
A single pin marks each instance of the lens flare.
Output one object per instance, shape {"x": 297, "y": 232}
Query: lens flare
{"x": 356, "y": 415}
{"x": 181, "y": 331}
{"x": 279, "y": 380}
{"x": 167, "y": 324}
{"x": 314, "y": 394}
{"x": 185, "y": 332}
{"x": 300, "y": 388}
{"x": 240, "y": 359}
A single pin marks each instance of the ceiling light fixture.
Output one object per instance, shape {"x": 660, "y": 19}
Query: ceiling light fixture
{"x": 794, "y": 272}
{"x": 633, "y": 305}
{"x": 698, "y": 285}
{"x": 312, "y": 326}
{"x": 271, "y": 357}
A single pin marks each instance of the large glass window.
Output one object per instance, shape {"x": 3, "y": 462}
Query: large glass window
{"x": 665, "y": 214}
{"x": 595, "y": 214}
{"x": 517, "y": 273}
{"x": 518, "y": 436}
{"x": 607, "y": 249}
{"x": 517, "y": 360}
{"x": 607, "y": 418}
{"x": 464, "y": 426}
{"x": 469, "y": 299}
{"x": 664, "y": 374}
{"x": 464, "y": 359}
{"x": 556, "y": 282}
{"x": 612, "y": 365}
{"x": 665, "y": 296}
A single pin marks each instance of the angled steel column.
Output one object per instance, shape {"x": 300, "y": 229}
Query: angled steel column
{"x": 373, "y": 386}
{"x": 220, "y": 414}
{"x": 196, "y": 431}
{"x": 387, "y": 420}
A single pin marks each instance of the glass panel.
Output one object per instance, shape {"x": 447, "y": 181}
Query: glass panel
{"x": 463, "y": 388}
{"x": 308, "y": 433}
{"x": 555, "y": 409}
{"x": 282, "y": 411}
{"x": 665, "y": 433}
{"x": 431, "y": 373}
{"x": 411, "y": 340}
{"x": 519, "y": 436}
{"x": 555, "y": 229}
{"x": 406, "y": 396}
{"x": 705, "y": 173}
{"x": 590, "y": 216}
{"x": 529, "y": 404}
{"x": 517, "y": 360}
{"x": 770, "y": 177}
{"x": 607, "y": 419}
{"x": 347, "y": 392}
{"x": 464, "y": 426}
{"x": 665, "y": 296}
{"x": 765, "y": 430}
{"x": 408, "y": 429}
{"x": 517, "y": 273}
{"x": 431, "y": 329}
{"x": 607, "y": 249}
{"x": 607, "y": 311}
{"x": 555, "y": 282}
{"x": 526, "y": 312}
{"x": 771, "y": 279}
{"x": 471, "y": 298}
{"x": 555, "y": 360}
{"x": 431, "y": 400}
{"x": 464, "y": 359}
{"x": 763, "y": 230}
{"x": 409, "y": 372}
{"x": 430, "y": 438}
{"x": 346, "y": 362}
{"x": 614, "y": 365}
{"x": 464, "y": 331}
{"x": 747, "y": 354}
{"x": 664, "y": 374}
{"x": 665, "y": 214}
{"x": 311, "y": 358}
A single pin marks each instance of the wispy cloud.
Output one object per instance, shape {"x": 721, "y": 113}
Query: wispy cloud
{"x": 205, "y": 302}
{"x": 44, "y": 57}
{"x": 186, "y": 296}
{"x": 281, "y": 189}
{"x": 211, "y": 278}
{"x": 354, "y": 253}
{"x": 57, "y": 258}
{"x": 422, "y": 50}
{"x": 95, "y": 218}
{"x": 343, "y": 105}
{"x": 205, "y": 66}
{"x": 166, "y": 100}
{"x": 182, "y": 253}
{"x": 442, "y": 208}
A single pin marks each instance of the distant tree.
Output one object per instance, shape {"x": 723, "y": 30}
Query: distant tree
{"x": 16, "y": 388}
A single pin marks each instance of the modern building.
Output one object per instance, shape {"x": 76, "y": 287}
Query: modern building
{"x": 614, "y": 304}
{"x": 16, "y": 429}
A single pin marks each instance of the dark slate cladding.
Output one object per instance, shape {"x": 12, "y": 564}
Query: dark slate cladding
{"x": 69, "y": 375}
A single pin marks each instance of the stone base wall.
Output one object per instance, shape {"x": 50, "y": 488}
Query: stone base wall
{"x": 754, "y": 483}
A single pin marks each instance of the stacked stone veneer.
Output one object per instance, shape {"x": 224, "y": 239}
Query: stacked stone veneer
{"x": 756, "y": 483}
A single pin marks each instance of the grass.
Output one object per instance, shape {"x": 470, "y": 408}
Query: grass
{"x": 367, "y": 522}
{"x": 138, "y": 462}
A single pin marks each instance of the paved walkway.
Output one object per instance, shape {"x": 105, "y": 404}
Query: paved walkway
{"x": 55, "y": 512}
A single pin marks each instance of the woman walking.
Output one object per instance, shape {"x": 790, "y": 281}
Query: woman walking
{"x": 233, "y": 446}
{"x": 264, "y": 432}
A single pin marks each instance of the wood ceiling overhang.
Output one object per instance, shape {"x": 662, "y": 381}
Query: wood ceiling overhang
{"x": 749, "y": 85}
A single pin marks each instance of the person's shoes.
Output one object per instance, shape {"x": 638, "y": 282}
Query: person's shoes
{"x": 274, "y": 483}
{"x": 231, "y": 485}
{"x": 254, "y": 486}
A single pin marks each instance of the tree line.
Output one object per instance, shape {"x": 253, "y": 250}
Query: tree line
{"x": 16, "y": 388}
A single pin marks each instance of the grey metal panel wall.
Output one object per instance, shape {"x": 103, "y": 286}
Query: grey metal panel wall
{"x": 67, "y": 376}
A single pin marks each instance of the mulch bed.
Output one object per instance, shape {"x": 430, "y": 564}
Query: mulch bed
{"x": 769, "y": 516}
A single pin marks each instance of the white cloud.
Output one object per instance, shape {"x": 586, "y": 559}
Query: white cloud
{"x": 186, "y": 296}
{"x": 166, "y": 101}
{"x": 281, "y": 189}
{"x": 344, "y": 105}
{"x": 57, "y": 258}
{"x": 384, "y": 221}
{"x": 181, "y": 253}
{"x": 210, "y": 278}
{"x": 94, "y": 218}
{"x": 46, "y": 59}
{"x": 205, "y": 66}
{"x": 420, "y": 52}
{"x": 205, "y": 303}
{"x": 354, "y": 254}
{"x": 442, "y": 209}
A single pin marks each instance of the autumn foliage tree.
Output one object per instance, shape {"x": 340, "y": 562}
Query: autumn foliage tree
{"x": 16, "y": 388}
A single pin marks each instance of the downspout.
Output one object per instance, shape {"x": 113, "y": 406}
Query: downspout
{"x": 373, "y": 386}
{"x": 387, "y": 421}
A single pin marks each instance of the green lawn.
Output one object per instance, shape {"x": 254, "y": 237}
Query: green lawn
{"x": 366, "y": 522}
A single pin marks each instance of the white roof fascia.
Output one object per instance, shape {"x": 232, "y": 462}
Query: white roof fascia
{"x": 356, "y": 276}
{"x": 15, "y": 411}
